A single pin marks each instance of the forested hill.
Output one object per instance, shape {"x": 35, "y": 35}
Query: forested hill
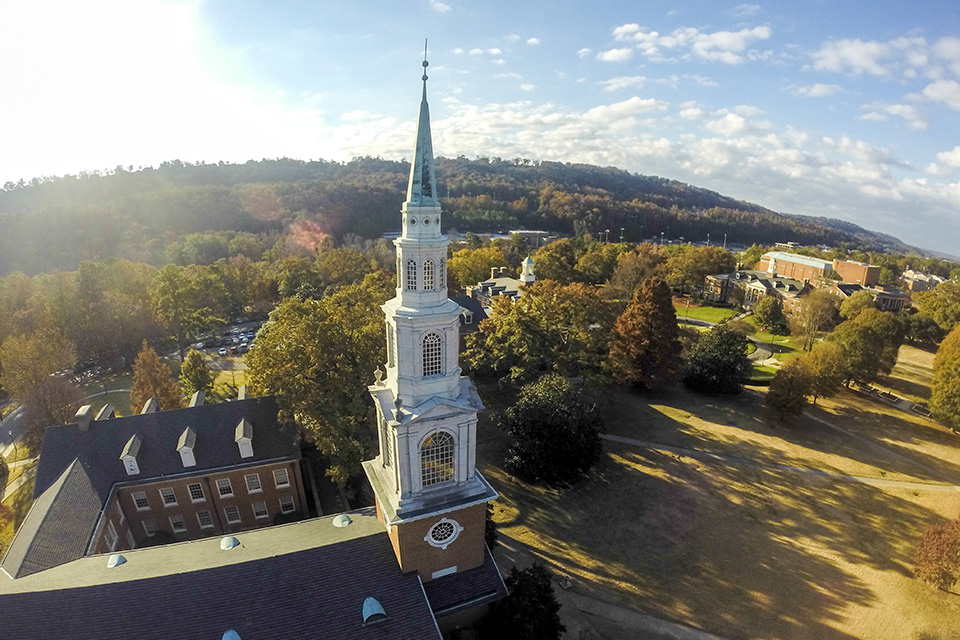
{"x": 55, "y": 223}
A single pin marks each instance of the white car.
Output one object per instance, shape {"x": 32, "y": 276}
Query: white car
{"x": 223, "y": 351}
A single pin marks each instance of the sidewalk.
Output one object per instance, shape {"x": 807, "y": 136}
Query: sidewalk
{"x": 14, "y": 486}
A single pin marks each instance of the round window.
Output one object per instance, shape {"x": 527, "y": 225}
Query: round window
{"x": 438, "y": 221}
{"x": 443, "y": 533}
{"x": 413, "y": 221}
{"x": 426, "y": 221}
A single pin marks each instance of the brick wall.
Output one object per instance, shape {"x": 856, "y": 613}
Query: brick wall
{"x": 866, "y": 275}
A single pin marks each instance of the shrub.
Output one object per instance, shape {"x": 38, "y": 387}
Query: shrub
{"x": 938, "y": 555}
{"x": 530, "y": 612}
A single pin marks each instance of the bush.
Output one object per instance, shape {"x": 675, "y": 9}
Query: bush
{"x": 938, "y": 555}
{"x": 718, "y": 362}
{"x": 556, "y": 437}
{"x": 530, "y": 612}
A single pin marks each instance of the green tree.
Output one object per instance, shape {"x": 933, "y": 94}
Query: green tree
{"x": 945, "y": 391}
{"x": 153, "y": 379}
{"x": 827, "y": 369}
{"x": 937, "y": 560}
{"x": 470, "y": 266}
{"x": 921, "y": 329}
{"x": 818, "y": 312}
{"x": 195, "y": 374}
{"x": 751, "y": 256}
{"x": 530, "y": 612}
{"x": 317, "y": 357}
{"x": 596, "y": 266}
{"x": 869, "y": 345}
{"x": 718, "y": 362}
{"x": 180, "y": 301}
{"x": 645, "y": 347}
{"x": 942, "y": 303}
{"x": 555, "y": 436}
{"x": 789, "y": 389}
{"x": 339, "y": 267}
{"x": 852, "y": 306}
{"x": 550, "y": 328}
{"x": 688, "y": 269}
{"x": 557, "y": 261}
{"x": 52, "y": 401}
{"x": 30, "y": 358}
{"x": 768, "y": 312}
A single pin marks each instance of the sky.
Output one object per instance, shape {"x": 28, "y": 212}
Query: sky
{"x": 842, "y": 108}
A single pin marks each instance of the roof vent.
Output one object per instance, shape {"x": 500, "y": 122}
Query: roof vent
{"x": 373, "y": 611}
{"x": 230, "y": 634}
{"x": 115, "y": 560}
{"x": 83, "y": 417}
{"x": 185, "y": 445}
{"x": 242, "y": 392}
{"x": 106, "y": 412}
{"x": 150, "y": 406}
{"x": 342, "y": 520}
{"x": 228, "y": 543}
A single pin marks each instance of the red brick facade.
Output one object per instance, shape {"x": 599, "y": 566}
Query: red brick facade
{"x": 866, "y": 275}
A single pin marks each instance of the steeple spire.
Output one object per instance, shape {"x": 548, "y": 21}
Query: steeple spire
{"x": 422, "y": 187}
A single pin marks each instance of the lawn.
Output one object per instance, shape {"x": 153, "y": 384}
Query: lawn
{"x": 20, "y": 502}
{"x": 741, "y": 550}
{"x": 706, "y": 314}
{"x": 785, "y": 348}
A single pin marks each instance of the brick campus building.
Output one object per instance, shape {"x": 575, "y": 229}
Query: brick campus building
{"x": 212, "y": 476}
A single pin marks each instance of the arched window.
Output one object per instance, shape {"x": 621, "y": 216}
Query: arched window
{"x": 443, "y": 273}
{"x": 428, "y": 275}
{"x": 432, "y": 354}
{"x": 412, "y": 275}
{"x": 436, "y": 459}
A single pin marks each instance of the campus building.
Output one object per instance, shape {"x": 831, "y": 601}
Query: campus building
{"x": 414, "y": 564}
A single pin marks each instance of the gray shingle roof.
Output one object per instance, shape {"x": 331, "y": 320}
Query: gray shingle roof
{"x": 460, "y": 590}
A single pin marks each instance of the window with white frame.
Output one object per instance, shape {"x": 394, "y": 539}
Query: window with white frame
{"x": 150, "y": 527}
{"x": 233, "y": 514}
{"x": 205, "y": 519}
{"x": 411, "y": 275}
{"x": 111, "y": 537}
{"x": 225, "y": 488}
{"x": 140, "y": 500}
{"x": 428, "y": 275}
{"x": 286, "y": 504}
{"x": 436, "y": 459}
{"x": 177, "y": 524}
{"x": 253, "y": 482}
{"x": 281, "y": 478}
{"x": 169, "y": 496}
{"x": 260, "y": 510}
{"x": 196, "y": 492}
{"x": 120, "y": 517}
{"x": 432, "y": 354}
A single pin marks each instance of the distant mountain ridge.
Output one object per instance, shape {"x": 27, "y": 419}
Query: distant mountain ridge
{"x": 54, "y": 223}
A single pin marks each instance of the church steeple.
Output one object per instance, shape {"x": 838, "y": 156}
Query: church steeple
{"x": 422, "y": 186}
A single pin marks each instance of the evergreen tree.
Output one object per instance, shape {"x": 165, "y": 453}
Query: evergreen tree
{"x": 789, "y": 389}
{"x": 530, "y": 612}
{"x": 195, "y": 374}
{"x": 945, "y": 391}
{"x": 153, "y": 379}
{"x": 556, "y": 437}
{"x": 717, "y": 362}
{"x": 645, "y": 349}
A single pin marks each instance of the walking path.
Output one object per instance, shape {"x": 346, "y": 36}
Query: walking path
{"x": 21, "y": 480}
{"x": 715, "y": 457}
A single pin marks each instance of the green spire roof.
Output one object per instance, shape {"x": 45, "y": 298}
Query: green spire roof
{"x": 422, "y": 187}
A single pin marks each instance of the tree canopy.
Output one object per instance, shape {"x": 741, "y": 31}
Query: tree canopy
{"x": 530, "y": 612}
{"x": 153, "y": 379}
{"x": 942, "y": 303}
{"x": 30, "y": 358}
{"x": 645, "y": 347}
{"x": 195, "y": 374}
{"x": 818, "y": 312}
{"x": 869, "y": 344}
{"x": 945, "y": 391}
{"x": 718, "y": 362}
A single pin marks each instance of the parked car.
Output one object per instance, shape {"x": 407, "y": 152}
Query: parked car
{"x": 223, "y": 351}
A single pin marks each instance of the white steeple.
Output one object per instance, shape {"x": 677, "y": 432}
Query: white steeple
{"x": 426, "y": 410}
{"x": 527, "y": 276}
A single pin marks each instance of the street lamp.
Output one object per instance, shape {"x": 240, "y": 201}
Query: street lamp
{"x": 608, "y": 235}
{"x": 16, "y": 451}
{"x": 621, "y": 235}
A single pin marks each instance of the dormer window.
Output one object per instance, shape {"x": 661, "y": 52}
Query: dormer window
{"x": 244, "y": 438}
{"x": 129, "y": 455}
{"x": 185, "y": 444}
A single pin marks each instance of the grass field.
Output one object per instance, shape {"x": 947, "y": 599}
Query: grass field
{"x": 706, "y": 314}
{"x": 737, "y": 546}
{"x": 20, "y": 503}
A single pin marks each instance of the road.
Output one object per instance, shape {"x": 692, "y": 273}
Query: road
{"x": 764, "y": 350}
{"x": 11, "y": 428}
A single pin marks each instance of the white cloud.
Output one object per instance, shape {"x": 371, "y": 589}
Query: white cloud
{"x": 729, "y": 125}
{"x": 510, "y": 75}
{"x": 527, "y": 87}
{"x": 533, "y": 41}
{"x": 691, "y": 113}
{"x": 950, "y": 158}
{"x": 946, "y": 91}
{"x": 512, "y": 38}
{"x": 476, "y": 52}
{"x": 748, "y": 110}
{"x": 906, "y": 55}
{"x": 615, "y": 55}
{"x": 729, "y": 47}
{"x": 499, "y": 61}
{"x": 623, "y": 82}
{"x": 818, "y": 90}
{"x": 494, "y": 51}
{"x": 458, "y": 50}
{"x": 439, "y": 6}
{"x": 583, "y": 53}
{"x": 745, "y": 10}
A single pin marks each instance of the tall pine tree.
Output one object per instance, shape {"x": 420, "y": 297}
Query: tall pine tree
{"x": 195, "y": 374}
{"x": 645, "y": 350}
{"x": 153, "y": 379}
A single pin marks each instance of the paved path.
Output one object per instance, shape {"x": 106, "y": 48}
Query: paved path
{"x": 715, "y": 457}
{"x": 763, "y": 353}
{"x": 21, "y": 480}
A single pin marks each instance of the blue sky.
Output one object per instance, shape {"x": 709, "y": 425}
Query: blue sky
{"x": 842, "y": 109}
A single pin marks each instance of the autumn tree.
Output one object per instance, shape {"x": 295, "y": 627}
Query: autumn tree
{"x": 634, "y": 267}
{"x": 28, "y": 359}
{"x": 718, "y": 362}
{"x": 921, "y": 329}
{"x": 645, "y": 347}
{"x": 183, "y": 297}
{"x": 942, "y": 303}
{"x": 550, "y": 328}
{"x": 596, "y": 265}
{"x": 768, "y": 312}
{"x": 945, "y": 391}
{"x": 338, "y": 267}
{"x": 818, "y": 312}
{"x": 688, "y": 269}
{"x": 530, "y": 612}
{"x": 153, "y": 379}
{"x": 555, "y": 436}
{"x": 937, "y": 560}
{"x": 195, "y": 374}
{"x": 789, "y": 389}
{"x": 52, "y": 401}
{"x": 869, "y": 345}
{"x": 827, "y": 370}
{"x": 852, "y": 306}
{"x": 470, "y": 266}
{"x": 557, "y": 261}
{"x": 317, "y": 357}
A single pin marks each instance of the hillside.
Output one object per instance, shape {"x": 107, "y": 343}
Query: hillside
{"x": 55, "y": 223}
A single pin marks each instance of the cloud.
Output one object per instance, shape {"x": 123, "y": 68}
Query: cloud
{"x": 950, "y": 158}
{"x": 946, "y": 91}
{"x": 912, "y": 117}
{"x": 533, "y": 41}
{"x": 818, "y": 90}
{"x": 476, "y": 52}
{"x": 527, "y": 87}
{"x": 904, "y": 55}
{"x": 439, "y": 6}
{"x": 512, "y": 38}
{"x": 615, "y": 55}
{"x": 729, "y": 47}
{"x": 458, "y": 51}
{"x": 583, "y": 53}
{"x": 623, "y": 82}
{"x": 745, "y": 10}
{"x": 494, "y": 51}
{"x": 733, "y": 124}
